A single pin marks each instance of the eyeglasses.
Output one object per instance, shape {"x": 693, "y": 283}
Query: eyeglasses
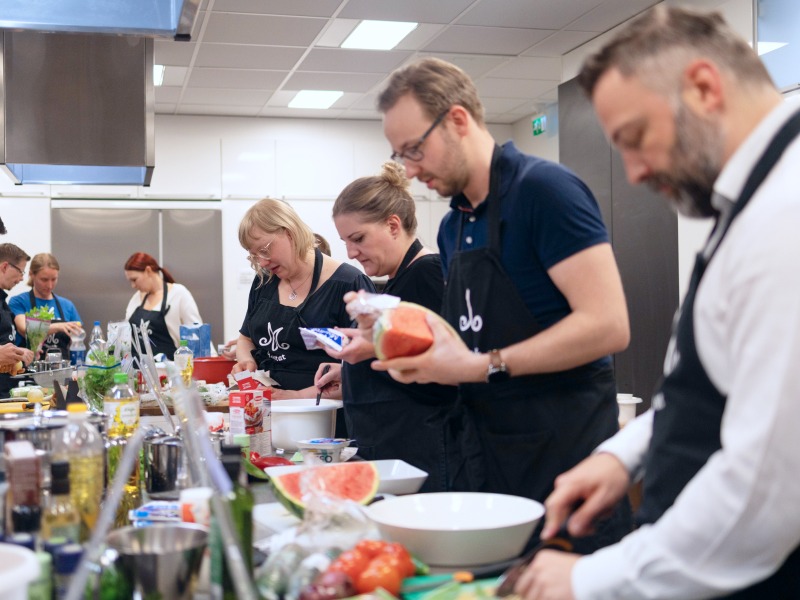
{"x": 262, "y": 253}
{"x": 21, "y": 271}
{"x": 414, "y": 153}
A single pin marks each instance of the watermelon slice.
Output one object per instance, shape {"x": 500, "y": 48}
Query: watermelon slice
{"x": 402, "y": 331}
{"x": 356, "y": 481}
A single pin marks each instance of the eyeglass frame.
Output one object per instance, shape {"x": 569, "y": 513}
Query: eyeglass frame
{"x": 402, "y": 156}
{"x": 20, "y": 271}
{"x": 254, "y": 258}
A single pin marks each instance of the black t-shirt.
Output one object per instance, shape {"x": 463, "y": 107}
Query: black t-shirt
{"x": 421, "y": 282}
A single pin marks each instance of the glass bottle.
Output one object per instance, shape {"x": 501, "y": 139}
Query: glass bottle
{"x": 81, "y": 444}
{"x": 184, "y": 360}
{"x": 121, "y": 406}
{"x": 60, "y": 517}
{"x": 65, "y": 563}
{"x": 241, "y": 504}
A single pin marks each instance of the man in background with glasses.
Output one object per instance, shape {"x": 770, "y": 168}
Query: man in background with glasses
{"x": 532, "y": 288}
{"x": 13, "y": 261}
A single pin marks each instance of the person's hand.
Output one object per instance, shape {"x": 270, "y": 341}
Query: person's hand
{"x": 244, "y": 365}
{"x": 597, "y": 484}
{"x": 330, "y": 382}
{"x": 11, "y": 354}
{"x": 365, "y": 321}
{"x": 229, "y": 350}
{"x": 357, "y": 349}
{"x": 69, "y": 328}
{"x": 280, "y": 394}
{"x": 548, "y": 577}
{"x": 447, "y": 361}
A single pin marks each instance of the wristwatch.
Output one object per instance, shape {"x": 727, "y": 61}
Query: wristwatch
{"x": 497, "y": 371}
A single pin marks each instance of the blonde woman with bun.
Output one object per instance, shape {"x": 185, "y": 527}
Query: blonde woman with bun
{"x": 376, "y": 218}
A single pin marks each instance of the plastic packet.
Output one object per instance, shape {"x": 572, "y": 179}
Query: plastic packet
{"x": 326, "y": 336}
{"x": 367, "y": 304}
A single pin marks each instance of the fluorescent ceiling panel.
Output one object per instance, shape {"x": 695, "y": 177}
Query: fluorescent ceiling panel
{"x": 319, "y": 99}
{"x": 378, "y": 35}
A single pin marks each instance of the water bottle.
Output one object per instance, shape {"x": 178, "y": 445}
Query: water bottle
{"x": 184, "y": 361}
{"x": 77, "y": 348}
{"x": 81, "y": 444}
{"x": 97, "y": 333}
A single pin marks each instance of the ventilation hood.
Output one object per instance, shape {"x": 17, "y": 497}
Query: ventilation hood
{"x": 76, "y": 108}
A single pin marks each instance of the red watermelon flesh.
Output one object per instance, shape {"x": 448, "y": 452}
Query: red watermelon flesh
{"x": 402, "y": 331}
{"x": 357, "y": 481}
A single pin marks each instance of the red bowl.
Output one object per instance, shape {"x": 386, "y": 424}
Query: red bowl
{"x": 212, "y": 369}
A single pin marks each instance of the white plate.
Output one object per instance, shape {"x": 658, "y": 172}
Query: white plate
{"x": 396, "y": 476}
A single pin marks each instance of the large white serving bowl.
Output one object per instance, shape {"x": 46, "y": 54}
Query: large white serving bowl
{"x": 302, "y": 419}
{"x": 458, "y": 529}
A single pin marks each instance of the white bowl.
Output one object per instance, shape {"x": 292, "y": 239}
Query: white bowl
{"x": 458, "y": 529}
{"x": 18, "y": 568}
{"x": 295, "y": 420}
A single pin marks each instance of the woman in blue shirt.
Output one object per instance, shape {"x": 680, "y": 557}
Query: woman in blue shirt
{"x": 43, "y": 278}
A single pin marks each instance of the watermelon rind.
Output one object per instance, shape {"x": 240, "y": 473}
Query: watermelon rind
{"x": 356, "y": 481}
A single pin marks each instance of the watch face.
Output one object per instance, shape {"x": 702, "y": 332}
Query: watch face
{"x": 497, "y": 375}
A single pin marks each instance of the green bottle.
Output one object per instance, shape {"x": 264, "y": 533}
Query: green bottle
{"x": 241, "y": 503}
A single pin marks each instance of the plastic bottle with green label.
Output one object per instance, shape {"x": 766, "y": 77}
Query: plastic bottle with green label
{"x": 121, "y": 406}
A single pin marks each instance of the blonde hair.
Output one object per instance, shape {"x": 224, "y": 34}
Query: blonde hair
{"x": 43, "y": 260}
{"x": 275, "y": 216}
{"x": 378, "y": 197}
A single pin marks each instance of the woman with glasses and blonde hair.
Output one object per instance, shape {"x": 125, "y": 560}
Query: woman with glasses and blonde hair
{"x": 296, "y": 286}
{"x": 42, "y": 278}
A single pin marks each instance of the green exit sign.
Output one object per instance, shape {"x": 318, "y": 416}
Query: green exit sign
{"x": 539, "y": 125}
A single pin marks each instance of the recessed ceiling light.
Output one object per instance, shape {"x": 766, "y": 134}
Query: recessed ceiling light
{"x": 158, "y": 74}
{"x": 764, "y": 47}
{"x": 378, "y": 35}
{"x": 315, "y": 99}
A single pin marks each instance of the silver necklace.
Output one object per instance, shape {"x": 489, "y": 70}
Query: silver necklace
{"x": 293, "y": 295}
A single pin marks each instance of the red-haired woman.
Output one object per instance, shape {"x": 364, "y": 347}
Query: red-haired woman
{"x": 161, "y": 303}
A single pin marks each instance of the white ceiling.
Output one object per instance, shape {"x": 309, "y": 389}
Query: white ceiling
{"x": 250, "y": 57}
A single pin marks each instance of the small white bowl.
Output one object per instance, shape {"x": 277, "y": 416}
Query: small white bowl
{"x": 302, "y": 419}
{"x": 399, "y": 477}
{"x": 458, "y": 529}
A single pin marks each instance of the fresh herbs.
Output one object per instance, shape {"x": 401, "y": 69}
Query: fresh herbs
{"x": 42, "y": 313}
{"x": 99, "y": 377}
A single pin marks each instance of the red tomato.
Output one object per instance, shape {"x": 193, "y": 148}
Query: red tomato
{"x": 379, "y": 575}
{"x": 401, "y": 558}
{"x": 254, "y": 456}
{"x": 371, "y": 548}
{"x": 262, "y": 462}
{"x": 350, "y": 562}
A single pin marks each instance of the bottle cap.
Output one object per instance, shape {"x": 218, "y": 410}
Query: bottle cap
{"x": 67, "y": 558}
{"x": 76, "y": 407}
{"x": 120, "y": 378}
{"x": 54, "y": 543}
{"x": 59, "y": 472}
{"x": 185, "y": 343}
{"x": 21, "y": 539}
{"x": 97, "y": 323}
{"x": 26, "y": 518}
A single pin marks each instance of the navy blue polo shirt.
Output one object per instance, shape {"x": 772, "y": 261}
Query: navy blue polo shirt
{"x": 548, "y": 214}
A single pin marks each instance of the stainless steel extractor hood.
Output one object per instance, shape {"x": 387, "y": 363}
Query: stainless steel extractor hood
{"x": 76, "y": 108}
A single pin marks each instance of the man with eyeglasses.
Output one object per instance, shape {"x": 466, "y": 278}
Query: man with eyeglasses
{"x": 12, "y": 268}
{"x": 532, "y": 288}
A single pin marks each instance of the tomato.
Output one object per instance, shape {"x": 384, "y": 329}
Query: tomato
{"x": 262, "y": 462}
{"x": 401, "y": 556}
{"x": 350, "y": 562}
{"x": 371, "y": 548}
{"x": 254, "y": 456}
{"x": 379, "y": 575}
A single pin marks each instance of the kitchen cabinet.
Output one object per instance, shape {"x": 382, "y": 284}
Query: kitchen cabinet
{"x": 313, "y": 169}
{"x": 644, "y": 235}
{"x": 9, "y": 189}
{"x": 111, "y": 192}
{"x": 248, "y": 168}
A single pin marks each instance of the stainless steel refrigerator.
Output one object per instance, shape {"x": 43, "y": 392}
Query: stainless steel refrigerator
{"x": 92, "y": 245}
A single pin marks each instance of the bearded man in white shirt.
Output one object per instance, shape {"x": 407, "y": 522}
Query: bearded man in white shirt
{"x": 695, "y": 115}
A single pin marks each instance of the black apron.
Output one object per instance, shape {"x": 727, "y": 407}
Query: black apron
{"x": 7, "y": 334}
{"x": 686, "y": 431}
{"x": 58, "y": 340}
{"x": 156, "y": 323}
{"x": 517, "y": 436}
{"x": 393, "y": 420}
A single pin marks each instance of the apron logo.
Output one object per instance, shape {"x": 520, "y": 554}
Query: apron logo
{"x": 271, "y": 339}
{"x": 51, "y": 340}
{"x": 469, "y": 321}
{"x": 146, "y": 327}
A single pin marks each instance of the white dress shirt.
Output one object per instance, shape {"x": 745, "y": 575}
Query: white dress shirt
{"x": 739, "y": 517}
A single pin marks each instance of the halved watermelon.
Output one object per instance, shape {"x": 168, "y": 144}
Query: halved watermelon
{"x": 402, "y": 331}
{"x": 357, "y": 481}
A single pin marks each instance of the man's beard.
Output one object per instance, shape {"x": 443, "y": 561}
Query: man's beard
{"x": 696, "y": 163}
{"x": 455, "y": 170}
